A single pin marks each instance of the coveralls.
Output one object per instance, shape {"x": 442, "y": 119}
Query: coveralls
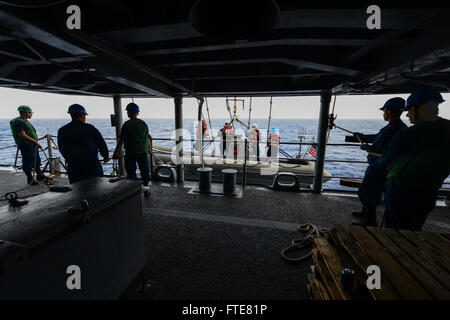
{"x": 254, "y": 143}
{"x": 371, "y": 189}
{"x": 227, "y": 133}
{"x": 79, "y": 144}
{"x": 418, "y": 162}
{"x": 269, "y": 143}
{"x": 30, "y": 159}
{"x": 135, "y": 135}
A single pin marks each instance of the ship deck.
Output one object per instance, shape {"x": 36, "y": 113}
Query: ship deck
{"x": 202, "y": 246}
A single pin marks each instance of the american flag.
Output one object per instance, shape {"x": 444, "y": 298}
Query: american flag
{"x": 312, "y": 151}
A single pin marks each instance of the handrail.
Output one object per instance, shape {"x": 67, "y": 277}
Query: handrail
{"x": 245, "y": 141}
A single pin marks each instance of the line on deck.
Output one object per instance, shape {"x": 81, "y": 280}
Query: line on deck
{"x": 286, "y": 226}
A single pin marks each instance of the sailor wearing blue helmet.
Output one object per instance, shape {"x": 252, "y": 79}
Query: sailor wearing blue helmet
{"x": 79, "y": 144}
{"x": 418, "y": 162}
{"x": 371, "y": 189}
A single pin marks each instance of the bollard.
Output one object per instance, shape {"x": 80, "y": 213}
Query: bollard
{"x": 229, "y": 180}
{"x": 204, "y": 182}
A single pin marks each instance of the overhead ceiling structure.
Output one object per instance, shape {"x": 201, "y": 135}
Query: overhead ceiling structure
{"x": 164, "y": 48}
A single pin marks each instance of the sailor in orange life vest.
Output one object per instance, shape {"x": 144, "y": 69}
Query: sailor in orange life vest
{"x": 226, "y": 132}
{"x": 275, "y": 138}
{"x": 254, "y": 138}
{"x": 205, "y": 133}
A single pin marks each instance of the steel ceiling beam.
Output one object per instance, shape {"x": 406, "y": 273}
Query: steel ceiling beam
{"x": 390, "y": 36}
{"x": 17, "y": 24}
{"x": 121, "y": 68}
{"x": 256, "y": 76}
{"x": 300, "y": 64}
{"x": 257, "y": 44}
{"x": 402, "y": 57}
{"x": 30, "y": 85}
{"x": 345, "y": 18}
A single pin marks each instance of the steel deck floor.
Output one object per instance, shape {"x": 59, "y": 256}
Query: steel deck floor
{"x": 215, "y": 247}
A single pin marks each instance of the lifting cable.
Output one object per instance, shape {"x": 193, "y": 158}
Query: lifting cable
{"x": 308, "y": 241}
{"x": 331, "y": 119}
{"x": 268, "y": 125}
{"x": 249, "y": 113}
{"x": 210, "y": 128}
{"x": 332, "y": 125}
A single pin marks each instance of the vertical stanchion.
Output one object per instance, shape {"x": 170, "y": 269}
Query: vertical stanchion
{"x": 325, "y": 99}
{"x": 118, "y": 125}
{"x": 244, "y": 176}
{"x": 179, "y": 137}
{"x": 152, "y": 169}
{"x": 50, "y": 154}
{"x": 17, "y": 156}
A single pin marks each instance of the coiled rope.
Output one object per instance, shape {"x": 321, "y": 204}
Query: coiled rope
{"x": 308, "y": 241}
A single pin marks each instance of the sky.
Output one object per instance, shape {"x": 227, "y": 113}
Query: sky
{"x": 49, "y": 105}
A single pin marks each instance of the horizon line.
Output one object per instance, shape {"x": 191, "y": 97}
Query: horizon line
{"x": 39, "y": 118}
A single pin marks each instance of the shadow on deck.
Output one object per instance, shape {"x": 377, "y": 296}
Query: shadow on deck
{"x": 215, "y": 247}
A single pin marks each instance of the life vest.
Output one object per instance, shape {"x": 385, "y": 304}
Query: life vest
{"x": 275, "y": 137}
{"x": 254, "y": 134}
{"x": 204, "y": 128}
{"x": 29, "y": 131}
{"x": 227, "y": 132}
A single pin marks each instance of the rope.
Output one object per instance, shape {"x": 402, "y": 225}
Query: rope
{"x": 210, "y": 128}
{"x": 229, "y": 110}
{"x": 250, "y": 112}
{"x": 360, "y": 141}
{"x": 4, "y": 148}
{"x": 308, "y": 241}
{"x": 332, "y": 118}
{"x": 270, "y": 118}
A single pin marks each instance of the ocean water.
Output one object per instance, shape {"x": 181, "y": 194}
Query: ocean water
{"x": 289, "y": 130}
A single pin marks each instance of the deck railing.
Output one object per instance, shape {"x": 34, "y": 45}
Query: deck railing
{"x": 48, "y": 161}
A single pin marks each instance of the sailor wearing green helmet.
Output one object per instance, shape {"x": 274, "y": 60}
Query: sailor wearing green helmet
{"x": 27, "y": 141}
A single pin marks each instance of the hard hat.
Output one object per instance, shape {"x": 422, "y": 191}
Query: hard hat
{"x": 132, "y": 107}
{"x": 77, "y": 109}
{"x": 421, "y": 96}
{"x": 394, "y": 103}
{"x": 255, "y": 126}
{"x": 24, "y": 109}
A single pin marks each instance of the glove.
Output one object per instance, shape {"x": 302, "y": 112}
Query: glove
{"x": 365, "y": 146}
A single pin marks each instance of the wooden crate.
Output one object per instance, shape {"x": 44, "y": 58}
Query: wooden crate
{"x": 414, "y": 265}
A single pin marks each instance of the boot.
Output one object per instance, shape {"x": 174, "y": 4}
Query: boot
{"x": 40, "y": 176}
{"x": 365, "y": 222}
{"x": 358, "y": 214}
{"x": 31, "y": 181}
{"x": 371, "y": 220}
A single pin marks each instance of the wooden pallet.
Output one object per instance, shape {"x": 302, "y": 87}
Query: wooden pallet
{"x": 414, "y": 265}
